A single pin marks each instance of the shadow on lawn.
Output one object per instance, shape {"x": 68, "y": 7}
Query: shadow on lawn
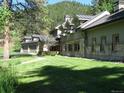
{"x": 67, "y": 80}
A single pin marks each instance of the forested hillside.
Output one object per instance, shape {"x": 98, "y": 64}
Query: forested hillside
{"x": 59, "y": 10}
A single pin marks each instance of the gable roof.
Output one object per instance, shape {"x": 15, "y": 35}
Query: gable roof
{"x": 84, "y": 17}
{"x": 27, "y": 37}
{"x": 41, "y": 38}
{"x": 96, "y": 18}
{"x": 106, "y": 19}
{"x": 57, "y": 27}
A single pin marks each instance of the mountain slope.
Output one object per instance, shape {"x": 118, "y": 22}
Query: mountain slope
{"x": 59, "y": 10}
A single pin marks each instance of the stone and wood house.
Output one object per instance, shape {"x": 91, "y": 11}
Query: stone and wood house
{"x": 34, "y": 44}
{"x": 56, "y": 33}
{"x": 99, "y": 36}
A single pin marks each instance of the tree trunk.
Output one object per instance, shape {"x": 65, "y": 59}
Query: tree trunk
{"x": 6, "y": 34}
{"x": 6, "y": 41}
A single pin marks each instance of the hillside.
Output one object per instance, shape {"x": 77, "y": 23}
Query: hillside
{"x": 59, "y": 10}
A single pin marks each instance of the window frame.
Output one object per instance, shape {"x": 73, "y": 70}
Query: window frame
{"x": 77, "y": 47}
{"x": 115, "y": 41}
{"x": 70, "y": 47}
{"x": 94, "y": 42}
{"x": 103, "y": 44}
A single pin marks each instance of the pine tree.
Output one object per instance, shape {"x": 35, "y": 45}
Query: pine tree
{"x": 103, "y": 5}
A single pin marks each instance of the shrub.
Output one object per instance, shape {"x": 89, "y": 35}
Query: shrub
{"x": 8, "y": 80}
{"x": 51, "y": 53}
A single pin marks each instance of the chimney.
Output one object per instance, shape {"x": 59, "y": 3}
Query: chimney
{"x": 118, "y": 4}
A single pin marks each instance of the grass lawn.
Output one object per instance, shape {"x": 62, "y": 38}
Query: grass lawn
{"x": 69, "y": 75}
{"x": 1, "y": 51}
{"x": 18, "y": 60}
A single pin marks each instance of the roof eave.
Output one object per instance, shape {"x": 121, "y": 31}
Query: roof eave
{"x": 108, "y": 22}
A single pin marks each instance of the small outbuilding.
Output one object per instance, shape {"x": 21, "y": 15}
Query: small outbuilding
{"x": 34, "y": 44}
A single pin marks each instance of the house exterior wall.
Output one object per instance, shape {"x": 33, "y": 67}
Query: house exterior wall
{"x": 106, "y": 30}
{"x": 86, "y": 42}
{"x": 73, "y": 38}
{"x": 30, "y": 47}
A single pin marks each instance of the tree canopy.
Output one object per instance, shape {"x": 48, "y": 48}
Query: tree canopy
{"x": 21, "y": 19}
{"x": 103, "y": 5}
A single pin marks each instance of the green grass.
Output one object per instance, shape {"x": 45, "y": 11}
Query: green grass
{"x": 59, "y": 74}
{"x": 12, "y": 52}
{"x": 16, "y": 61}
{"x": 70, "y": 75}
{"x": 1, "y": 51}
{"x": 8, "y": 80}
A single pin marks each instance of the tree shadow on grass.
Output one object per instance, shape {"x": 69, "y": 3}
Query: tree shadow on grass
{"x": 68, "y": 80}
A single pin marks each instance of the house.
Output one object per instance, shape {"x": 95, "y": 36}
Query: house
{"x": 104, "y": 37}
{"x": 118, "y": 4}
{"x": 72, "y": 39}
{"x": 34, "y": 44}
{"x": 56, "y": 33}
{"x": 99, "y": 36}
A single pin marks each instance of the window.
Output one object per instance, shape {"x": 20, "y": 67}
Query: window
{"x": 35, "y": 39}
{"x": 115, "y": 41}
{"x": 65, "y": 47}
{"x": 93, "y": 44}
{"x": 103, "y": 44}
{"x": 25, "y": 47}
{"x": 27, "y": 40}
{"x": 70, "y": 47}
{"x": 33, "y": 46}
{"x": 76, "y": 47}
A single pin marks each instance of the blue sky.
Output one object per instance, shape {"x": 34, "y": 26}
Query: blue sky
{"x": 15, "y": 1}
{"x": 56, "y": 1}
{"x": 81, "y": 1}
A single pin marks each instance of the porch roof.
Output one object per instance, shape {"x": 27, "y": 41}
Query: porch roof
{"x": 41, "y": 38}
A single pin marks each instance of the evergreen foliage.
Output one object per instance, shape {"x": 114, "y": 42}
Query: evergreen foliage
{"x": 103, "y": 5}
{"x": 5, "y": 14}
{"x": 59, "y": 10}
{"x": 26, "y": 21}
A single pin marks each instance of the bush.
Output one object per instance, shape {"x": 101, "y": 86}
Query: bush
{"x": 8, "y": 80}
{"x": 51, "y": 53}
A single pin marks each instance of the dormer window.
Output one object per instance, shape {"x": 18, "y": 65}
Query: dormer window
{"x": 64, "y": 34}
{"x": 35, "y": 39}
{"x": 71, "y": 31}
{"x": 27, "y": 40}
